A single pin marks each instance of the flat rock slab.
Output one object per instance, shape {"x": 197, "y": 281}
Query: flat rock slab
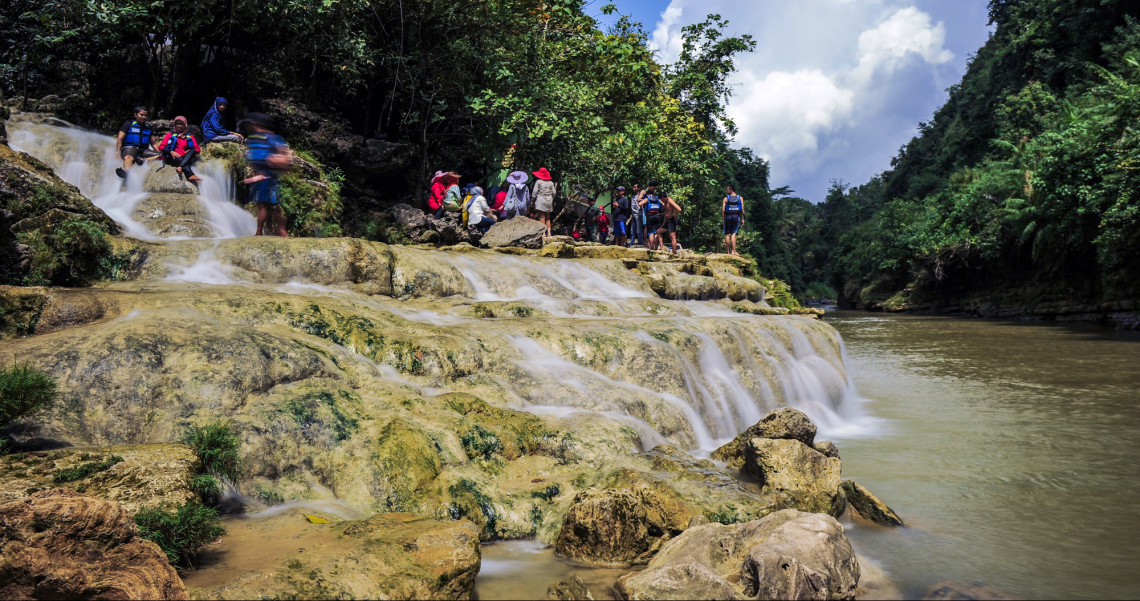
{"x": 520, "y": 231}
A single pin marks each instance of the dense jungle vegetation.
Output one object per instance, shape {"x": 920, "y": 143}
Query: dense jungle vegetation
{"x": 1023, "y": 186}
{"x": 473, "y": 86}
{"x": 1023, "y": 181}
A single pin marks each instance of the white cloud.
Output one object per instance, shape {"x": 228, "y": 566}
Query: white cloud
{"x": 666, "y": 39}
{"x": 907, "y": 32}
{"x": 788, "y": 113}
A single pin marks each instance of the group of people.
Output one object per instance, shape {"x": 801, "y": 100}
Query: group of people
{"x": 646, "y": 218}
{"x": 506, "y": 202}
{"x": 268, "y": 155}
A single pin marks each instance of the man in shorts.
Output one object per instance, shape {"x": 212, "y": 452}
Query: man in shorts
{"x": 653, "y": 208}
{"x": 672, "y": 211}
{"x": 620, "y": 209}
{"x": 636, "y": 219}
{"x": 133, "y": 144}
{"x": 269, "y": 157}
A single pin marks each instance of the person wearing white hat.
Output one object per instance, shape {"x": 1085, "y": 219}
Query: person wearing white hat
{"x": 518, "y": 195}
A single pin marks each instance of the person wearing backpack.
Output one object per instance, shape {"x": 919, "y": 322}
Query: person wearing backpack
{"x": 732, "y": 212}
{"x": 453, "y": 197}
{"x": 653, "y": 207}
{"x": 518, "y": 195}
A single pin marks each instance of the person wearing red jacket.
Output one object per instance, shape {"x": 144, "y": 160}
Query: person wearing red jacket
{"x": 179, "y": 149}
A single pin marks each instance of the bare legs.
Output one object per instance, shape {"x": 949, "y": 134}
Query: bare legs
{"x": 266, "y": 212}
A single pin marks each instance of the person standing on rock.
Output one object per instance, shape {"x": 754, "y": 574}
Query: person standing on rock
{"x": 637, "y": 218}
{"x": 732, "y": 212}
{"x": 672, "y": 211}
{"x": 654, "y": 209}
{"x": 518, "y": 195}
{"x": 543, "y": 192}
{"x": 212, "y": 128}
{"x": 269, "y": 157}
{"x": 133, "y": 144}
{"x": 620, "y": 209}
{"x": 179, "y": 149}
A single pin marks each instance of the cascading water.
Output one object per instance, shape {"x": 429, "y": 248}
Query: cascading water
{"x": 689, "y": 372}
{"x": 87, "y": 160}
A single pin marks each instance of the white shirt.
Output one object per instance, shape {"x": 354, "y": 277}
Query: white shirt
{"x": 477, "y": 210}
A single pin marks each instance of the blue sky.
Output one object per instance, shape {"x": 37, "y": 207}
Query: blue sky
{"x": 834, "y": 87}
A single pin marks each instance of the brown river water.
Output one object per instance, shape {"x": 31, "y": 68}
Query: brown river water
{"x": 1009, "y": 448}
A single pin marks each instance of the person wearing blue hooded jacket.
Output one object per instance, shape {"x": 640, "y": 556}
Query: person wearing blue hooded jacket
{"x": 212, "y": 128}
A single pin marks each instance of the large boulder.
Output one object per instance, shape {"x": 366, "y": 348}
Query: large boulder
{"x": 570, "y": 589}
{"x": 787, "y": 555}
{"x": 807, "y": 479}
{"x": 167, "y": 180}
{"x": 173, "y": 215}
{"x": 409, "y": 217}
{"x": 620, "y": 527}
{"x": 387, "y": 556}
{"x": 520, "y": 231}
{"x": 60, "y": 544}
{"x": 782, "y": 423}
{"x": 134, "y": 476}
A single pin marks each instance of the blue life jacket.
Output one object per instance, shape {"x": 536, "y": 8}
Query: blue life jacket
{"x": 653, "y": 205}
{"x": 137, "y": 135}
{"x": 259, "y": 147}
{"x": 734, "y": 206}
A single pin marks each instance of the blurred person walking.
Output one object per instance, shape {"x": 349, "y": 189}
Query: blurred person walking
{"x": 269, "y": 157}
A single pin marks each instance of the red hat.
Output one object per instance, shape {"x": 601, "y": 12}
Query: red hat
{"x": 542, "y": 173}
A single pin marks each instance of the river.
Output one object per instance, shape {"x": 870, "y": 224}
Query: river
{"x": 1009, "y": 448}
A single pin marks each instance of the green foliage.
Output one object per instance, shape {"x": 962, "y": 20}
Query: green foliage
{"x": 311, "y": 208}
{"x": 24, "y": 391}
{"x": 84, "y": 470}
{"x": 217, "y": 447}
{"x": 207, "y": 487}
{"x": 69, "y": 253}
{"x": 181, "y": 534}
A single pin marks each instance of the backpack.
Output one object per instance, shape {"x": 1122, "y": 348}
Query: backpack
{"x": 464, "y": 215}
{"x": 516, "y": 199}
{"x": 451, "y": 198}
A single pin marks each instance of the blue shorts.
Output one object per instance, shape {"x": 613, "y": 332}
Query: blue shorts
{"x": 731, "y": 224}
{"x": 619, "y": 227}
{"x": 264, "y": 191}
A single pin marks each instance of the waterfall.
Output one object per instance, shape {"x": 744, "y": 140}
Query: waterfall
{"x": 87, "y": 160}
{"x": 600, "y": 341}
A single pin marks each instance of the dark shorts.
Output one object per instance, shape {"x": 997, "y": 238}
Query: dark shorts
{"x": 138, "y": 152}
{"x": 264, "y": 191}
{"x": 671, "y": 224}
{"x": 653, "y": 223}
{"x": 731, "y": 224}
{"x": 619, "y": 227}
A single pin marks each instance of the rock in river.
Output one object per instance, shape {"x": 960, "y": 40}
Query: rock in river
{"x": 787, "y": 555}
{"x": 60, "y": 544}
{"x": 520, "y": 231}
{"x": 783, "y": 423}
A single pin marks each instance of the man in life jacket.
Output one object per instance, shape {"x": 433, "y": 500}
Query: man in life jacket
{"x": 732, "y": 211}
{"x": 654, "y": 210}
{"x": 134, "y": 142}
{"x": 672, "y": 211}
{"x": 269, "y": 157}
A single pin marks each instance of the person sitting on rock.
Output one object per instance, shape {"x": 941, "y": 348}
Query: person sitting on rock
{"x": 212, "y": 128}
{"x": 438, "y": 189}
{"x": 479, "y": 214}
{"x": 269, "y": 157}
{"x": 453, "y": 197}
{"x": 179, "y": 149}
{"x": 133, "y": 144}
